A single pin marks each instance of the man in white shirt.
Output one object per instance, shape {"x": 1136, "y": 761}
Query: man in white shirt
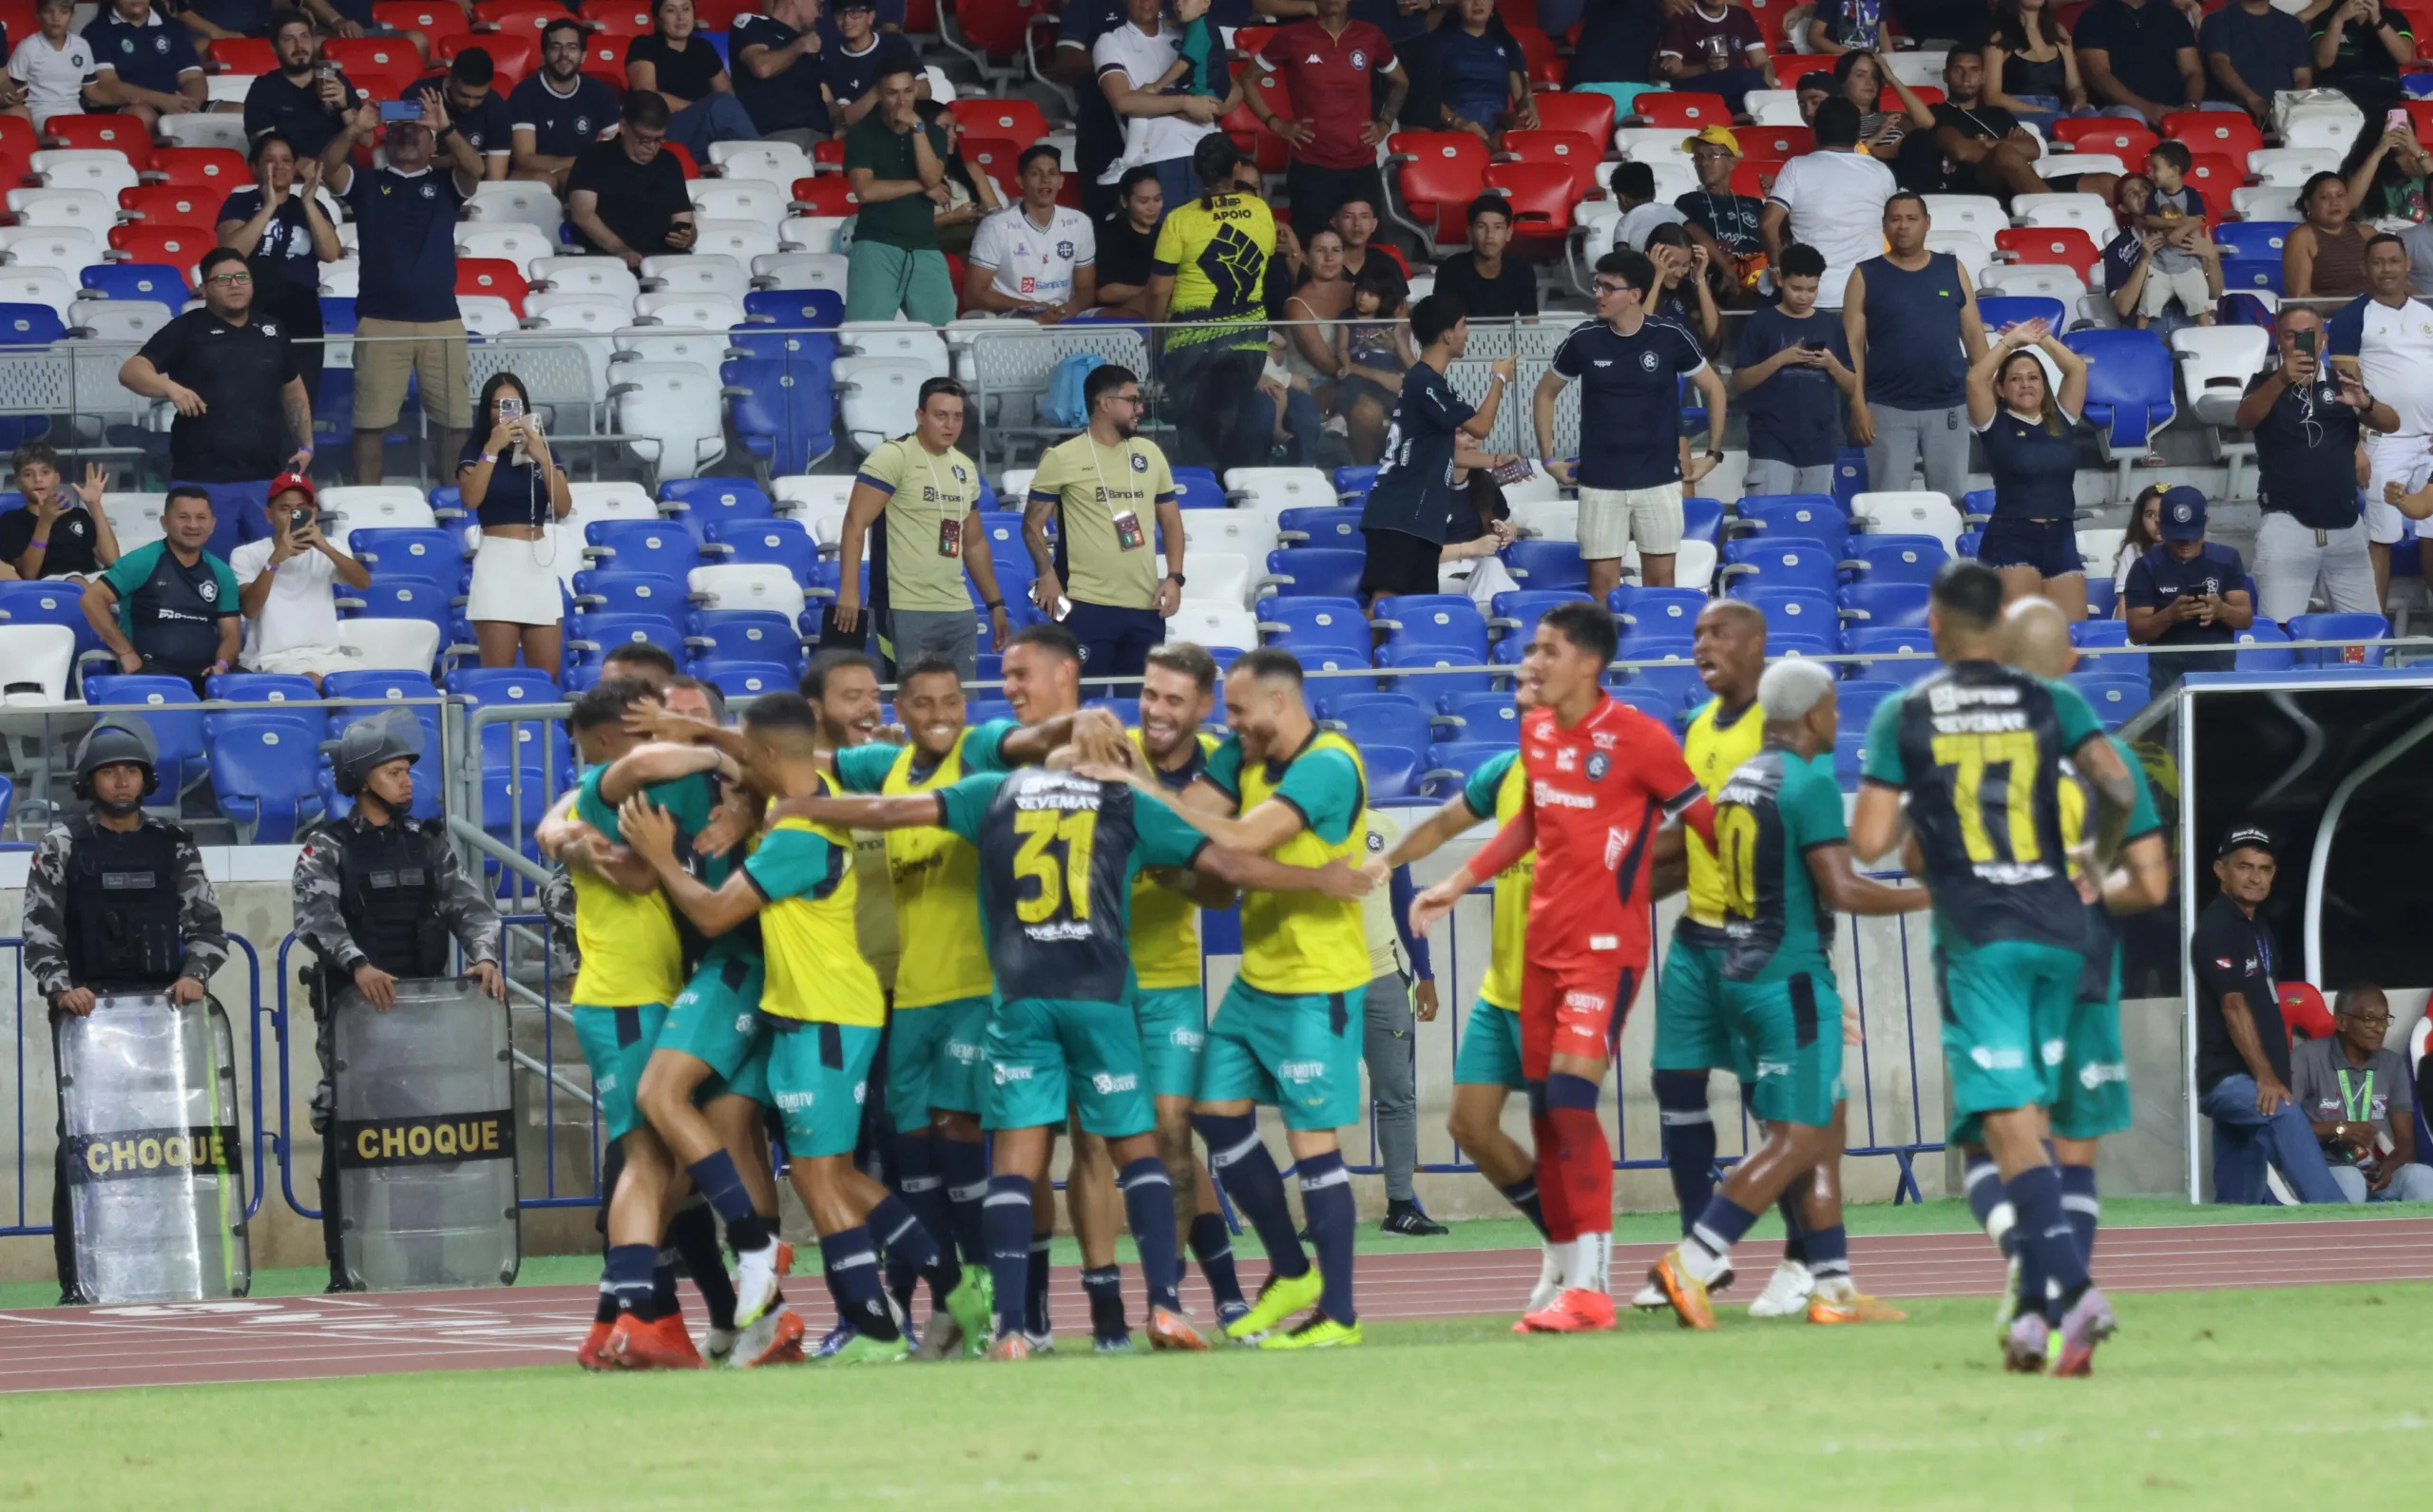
{"x": 52, "y": 65}
{"x": 1129, "y": 62}
{"x": 1832, "y": 199}
{"x": 286, "y": 587}
{"x": 1034, "y": 257}
{"x": 2385, "y": 336}
{"x": 1633, "y": 186}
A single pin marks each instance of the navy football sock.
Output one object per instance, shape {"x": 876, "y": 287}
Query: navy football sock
{"x": 606, "y": 1310}
{"x": 964, "y": 1168}
{"x": 1991, "y": 1205}
{"x": 1689, "y": 1140}
{"x": 1829, "y": 1252}
{"x": 1212, "y": 1245}
{"x": 1523, "y": 1195}
{"x": 1149, "y": 1204}
{"x": 1721, "y": 1224}
{"x": 1104, "y": 1289}
{"x": 1326, "y": 1198}
{"x": 716, "y": 1179}
{"x": 1238, "y": 1158}
{"x": 2080, "y": 1205}
{"x": 1035, "y": 1281}
{"x": 923, "y": 1191}
{"x": 2046, "y": 1245}
{"x": 853, "y": 1268}
{"x": 1795, "y": 1227}
{"x": 628, "y": 1272}
{"x": 910, "y": 1242}
{"x": 662, "y": 1284}
{"x": 1006, "y": 1216}
{"x": 693, "y": 1233}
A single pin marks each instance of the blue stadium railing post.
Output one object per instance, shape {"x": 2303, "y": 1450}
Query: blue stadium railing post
{"x": 254, "y": 1037}
{"x": 286, "y": 1100}
{"x": 17, "y": 947}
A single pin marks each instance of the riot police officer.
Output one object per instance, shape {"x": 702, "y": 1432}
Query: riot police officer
{"x": 379, "y": 893}
{"x": 116, "y": 901}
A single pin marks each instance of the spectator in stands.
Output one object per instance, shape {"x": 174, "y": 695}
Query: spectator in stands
{"x": 2253, "y": 50}
{"x": 2307, "y": 418}
{"x": 1319, "y": 299}
{"x": 225, "y": 373}
{"x": 1127, "y": 242}
{"x": 2144, "y": 533}
{"x": 169, "y": 606}
{"x": 1373, "y": 352}
{"x": 1097, "y": 135}
{"x": 626, "y": 197}
{"x": 1682, "y": 295}
{"x": 2242, "y": 1051}
{"x": 1847, "y": 26}
{"x": 2188, "y": 591}
{"x": 1861, "y": 77}
{"x": 1630, "y": 473}
{"x": 1975, "y": 147}
{"x": 2139, "y": 58}
{"x": 1728, "y": 224}
{"x": 681, "y": 68}
{"x": 287, "y": 586}
{"x": 896, "y": 165}
{"x": 2323, "y": 257}
{"x": 477, "y": 108}
{"x": 1329, "y": 65}
{"x": 1130, "y": 60}
{"x": 1035, "y": 258}
{"x": 1634, "y": 188}
{"x": 57, "y": 533}
{"x": 1831, "y": 199}
{"x": 1813, "y": 89}
{"x": 1617, "y": 42}
{"x": 308, "y": 99}
{"x": 54, "y": 66}
{"x": 2137, "y": 277}
{"x": 2360, "y": 48}
{"x": 2024, "y": 425}
{"x": 1485, "y": 282}
{"x": 1410, "y": 507}
{"x": 1712, "y": 49}
{"x": 776, "y": 57}
{"x": 1482, "y": 77}
{"x": 142, "y": 65}
{"x": 2381, "y": 337}
{"x": 284, "y": 237}
{"x": 1355, "y": 221}
{"x": 406, "y": 315}
{"x": 921, "y": 496}
{"x": 1791, "y": 375}
{"x": 216, "y": 20}
{"x": 853, "y": 66}
{"x": 506, "y": 476}
{"x": 2031, "y": 70}
{"x": 2357, "y": 1093}
{"x": 1911, "y": 319}
{"x": 2385, "y": 171}
{"x": 1113, "y": 499}
{"x": 1210, "y": 278}
{"x": 558, "y": 111}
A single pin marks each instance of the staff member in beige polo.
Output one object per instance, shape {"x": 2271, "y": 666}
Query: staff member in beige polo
{"x": 926, "y": 493}
{"x": 1111, "y": 493}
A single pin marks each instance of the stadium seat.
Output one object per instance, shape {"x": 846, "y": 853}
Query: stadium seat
{"x": 2224, "y": 133}
{"x": 669, "y": 413}
{"x": 2368, "y": 629}
{"x": 2090, "y": 213}
{"x": 1796, "y": 612}
{"x": 1764, "y": 564}
{"x": 1546, "y": 564}
{"x": 1211, "y": 624}
{"x": 645, "y": 593}
{"x": 1909, "y": 513}
{"x": 53, "y": 602}
{"x": 179, "y": 737}
{"x": 2258, "y": 239}
{"x": 1887, "y": 602}
{"x": 1882, "y": 560}
{"x": 1428, "y": 687}
{"x": 1858, "y": 697}
{"x": 1889, "y": 640}
{"x": 783, "y": 411}
{"x": 1323, "y": 525}
{"x": 592, "y": 636}
{"x": 1656, "y": 611}
{"x": 265, "y": 769}
{"x": 1489, "y": 717}
{"x": 2000, "y": 311}
{"x": 432, "y": 554}
{"x": 1436, "y": 174}
{"x": 2265, "y": 647}
{"x": 738, "y": 681}
{"x": 539, "y": 741}
{"x": 1382, "y": 718}
{"x": 748, "y": 586}
{"x": 1297, "y": 620}
{"x": 2114, "y": 699}
{"x": 745, "y": 635}
{"x": 2105, "y": 650}
{"x": 1516, "y": 613}
{"x": 1449, "y": 764}
{"x": 773, "y": 542}
{"x": 2059, "y": 246}
{"x": 641, "y": 546}
{"x": 1438, "y": 620}
{"x": 391, "y": 642}
{"x": 1313, "y": 570}
{"x": 2129, "y": 391}
{"x": 1778, "y": 517}
{"x": 30, "y": 325}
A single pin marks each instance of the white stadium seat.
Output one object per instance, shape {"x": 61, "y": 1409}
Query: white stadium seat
{"x": 671, "y": 415}
{"x": 1909, "y": 513}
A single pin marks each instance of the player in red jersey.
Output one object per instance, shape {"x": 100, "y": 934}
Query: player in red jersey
{"x": 1603, "y": 778}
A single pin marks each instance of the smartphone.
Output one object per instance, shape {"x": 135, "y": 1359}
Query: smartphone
{"x": 1811, "y": 346}
{"x": 298, "y": 519}
{"x": 1516, "y": 470}
{"x": 2305, "y": 342}
{"x": 392, "y": 112}
{"x": 513, "y": 409}
{"x": 2395, "y": 120}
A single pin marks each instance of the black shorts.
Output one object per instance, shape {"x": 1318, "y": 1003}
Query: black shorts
{"x": 1399, "y": 564}
{"x": 2051, "y": 547}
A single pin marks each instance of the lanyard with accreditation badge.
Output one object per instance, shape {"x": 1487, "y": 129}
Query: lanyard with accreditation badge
{"x": 1128, "y": 536}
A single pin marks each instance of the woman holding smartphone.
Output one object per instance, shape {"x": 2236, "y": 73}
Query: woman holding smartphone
{"x": 516, "y": 490}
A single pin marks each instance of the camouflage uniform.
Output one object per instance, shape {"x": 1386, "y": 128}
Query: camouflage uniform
{"x": 204, "y": 943}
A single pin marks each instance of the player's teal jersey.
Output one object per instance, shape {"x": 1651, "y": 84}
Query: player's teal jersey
{"x": 690, "y": 801}
{"x": 1978, "y": 749}
{"x": 2096, "y": 984}
{"x": 1772, "y": 810}
{"x": 864, "y": 768}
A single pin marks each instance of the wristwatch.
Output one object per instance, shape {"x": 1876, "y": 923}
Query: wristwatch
{"x": 1175, "y": 578}
{"x": 993, "y": 606}
{"x": 1713, "y": 453}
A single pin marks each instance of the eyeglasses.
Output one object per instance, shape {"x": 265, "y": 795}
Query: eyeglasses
{"x": 230, "y": 277}
{"x": 1131, "y": 399}
{"x": 1605, "y": 287}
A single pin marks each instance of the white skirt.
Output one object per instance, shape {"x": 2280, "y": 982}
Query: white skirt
{"x": 516, "y": 581}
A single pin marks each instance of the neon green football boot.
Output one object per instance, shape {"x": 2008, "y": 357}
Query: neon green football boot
{"x": 1278, "y": 1299}
{"x": 1320, "y": 1333}
{"x": 969, "y": 1304}
{"x": 863, "y": 1349}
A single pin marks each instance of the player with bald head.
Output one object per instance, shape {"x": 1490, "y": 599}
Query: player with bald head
{"x": 1784, "y": 859}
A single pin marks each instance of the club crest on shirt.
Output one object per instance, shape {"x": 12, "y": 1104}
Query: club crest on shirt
{"x": 1064, "y": 249}
{"x": 1359, "y": 59}
{"x": 208, "y": 591}
{"x": 1647, "y": 361}
{"x": 1598, "y": 764}
{"x": 1140, "y": 463}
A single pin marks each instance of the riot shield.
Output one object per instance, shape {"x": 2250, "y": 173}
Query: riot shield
{"x": 155, "y": 1144}
{"x": 426, "y": 1130}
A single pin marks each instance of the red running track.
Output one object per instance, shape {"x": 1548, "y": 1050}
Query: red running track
{"x": 308, "y": 1338}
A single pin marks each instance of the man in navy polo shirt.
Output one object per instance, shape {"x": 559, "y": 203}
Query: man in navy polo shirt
{"x": 142, "y": 65}
{"x": 298, "y": 102}
{"x": 407, "y": 320}
{"x": 777, "y": 72}
{"x": 2187, "y": 591}
{"x": 1097, "y": 135}
{"x": 1410, "y": 506}
{"x": 1632, "y": 463}
{"x": 468, "y": 85}
{"x": 558, "y": 111}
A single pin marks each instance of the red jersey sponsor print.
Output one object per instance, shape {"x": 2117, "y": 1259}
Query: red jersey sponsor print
{"x": 1598, "y": 791}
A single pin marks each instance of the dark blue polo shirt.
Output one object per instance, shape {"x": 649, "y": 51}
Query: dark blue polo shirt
{"x": 2158, "y": 578}
{"x": 782, "y": 102}
{"x": 1795, "y": 416}
{"x": 1630, "y": 400}
{"x": 150, "y": 56}
{"x": 407, "y": 237}
{"x": 848, "y": 78}
{"x": 563, "y": 125}
{"x": 1413, "y": 494}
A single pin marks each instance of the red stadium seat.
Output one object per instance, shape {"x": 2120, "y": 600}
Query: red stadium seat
{"x": 2056, "y": 246}
{"x": 1436, "y": 174}
{"x": 1267, "y": 150}
{"x": 1754, "y": 177}
{"x": 618, "y": 18}
{"x": 828, "y": 157}
{"x": 1542, "y": 194}
{"x": 1250, "y": 41}
{"x": 180, "y": 247}
{"x": 718, "y": 15}
{"x": 693, "y": 169}
{"x": 1769, "y": 14}
{"x": 993, "y": 156}
{"x": 2129, "y": 141}
{"x": 1691, "y": 112}
{"x": 493, "y": 276}
{"x": 921, "y": 18}
{"x": 514, "y": 54}
{"x": 18, "y": 139}
{"x": 998, "y": 29}
{"x": 433, "y": 21}
{"x": 220, "y": 168}
{"x": 604, "y": 58}
{"x": 1789, "y": 69}
{"x": 1592, "y": 115}
{"x": 2224, "y": 133}
{"x": 357, "y": 56}
{"x": 824, "y": 194}
{"x": 1777, "y": 144}
{"x": 170, "y": 204}
{"x": 123, "y": 134}
{"x": 1545, "y": 67}
{"x": 518, "y": 17}
{"x": 1576, "y": 151}
{"x": 246, "y": 55}
{"x": 2213, "y": 177}
{"x": 1014, "y": 119}
{"x": 2420, "y": 115}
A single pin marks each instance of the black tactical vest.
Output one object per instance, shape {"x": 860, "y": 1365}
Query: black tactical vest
{"x": 122, "y": 907}
{"x": 389, "y": 895}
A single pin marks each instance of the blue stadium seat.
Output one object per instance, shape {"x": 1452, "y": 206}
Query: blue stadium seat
{"x": 1415, "y": 606}
{"x": 1849, "y": 757}
{"x": 383, "y": 684}
{"x": 980, "y": 711}
{"x": 438, "y": 555}
{"x": 1702, "y": 520}
{"x": 696, "y": 502}
{"x": 784, "y": 412}
{"x": 641, "y": 546}
{"x": 52, "y": 601}
{"x": 796, "y": 349}
{"x": 2265, "y": 647}
{"x": 2129, "y": 382}
{"x": 1320, "y": 527}
{"x": 30, "y": 325}
{"x": 1458, "y": 624}
{"x": 2107, "y": 634}
{"x": 538, "y": 741}
{"x": 1516, "y": 612}
{"x": 654, "y": 593}
{"x": 1857, "y": 699}
{"x": 1656, "y": 610}
{"x": 794, "y": 309}
{"x": 1976, "y": 506}
{"x": 1449, "y": 765}
{"x": 1430, "y": 687}
{"x": 590, "y": 636}
{"x": 1885, "y": 559}
{"x": 407, "y": 599}
{"x": 1797, "y": 612}
{"x": 1317, "y": 570}
{"x": 2261, "y": 239}
{"x": 273, "y": 688}
{"x": 1997, "y": 310}
{"x": 156, "y": 282}
{"x": 1490, "y": 716}
{"x": 780, "y": 542}
{"x": 514, "y": 799}
{"x": 2250, "y": 275}
{"x": 746, "y": 635}
{"x": 1676, "y": 681}
{"x": 2103, "y": 596}
{"x": 1796, "y": 564}
{"x": 1653, "y": 701}
{"x": 1382, "y": 718}
{"x": 1798, "y": 644}
{"x": 1329, "y": 658}
{"x": 1849, "y": 473}
{"x": 1392, "y": 770}
{"x": 1776, "y": 518}
{"x": 1313, "y": 622}
{"x": 2371, "y": 627}
{"x": 265, "y": 767}
{"x": 1542, "y": 565}
{"x": 2114, "y": 699}
{"x": 1880, "y": 639}
{"x": 745, "y": 680}
{"x": 1353, "y": 482}
{"x": 1902, "y": 604}
{"x": 179, "y": 737}
{"x": 1197, "y": 489}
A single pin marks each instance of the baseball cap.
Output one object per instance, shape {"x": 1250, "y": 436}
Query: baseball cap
{"x": 2245, "y": 837}
{"x": 286, "y": 482}
{"x": 1715, "y": 137}
{"x": 2183, "y": 514}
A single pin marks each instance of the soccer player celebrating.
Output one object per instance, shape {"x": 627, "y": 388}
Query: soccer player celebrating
{"x": 1609, "y": 777}
{"x": 824, "y": 1010}
{"x": 1978, "y": 750}
{"x": 1783, "y": 864}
